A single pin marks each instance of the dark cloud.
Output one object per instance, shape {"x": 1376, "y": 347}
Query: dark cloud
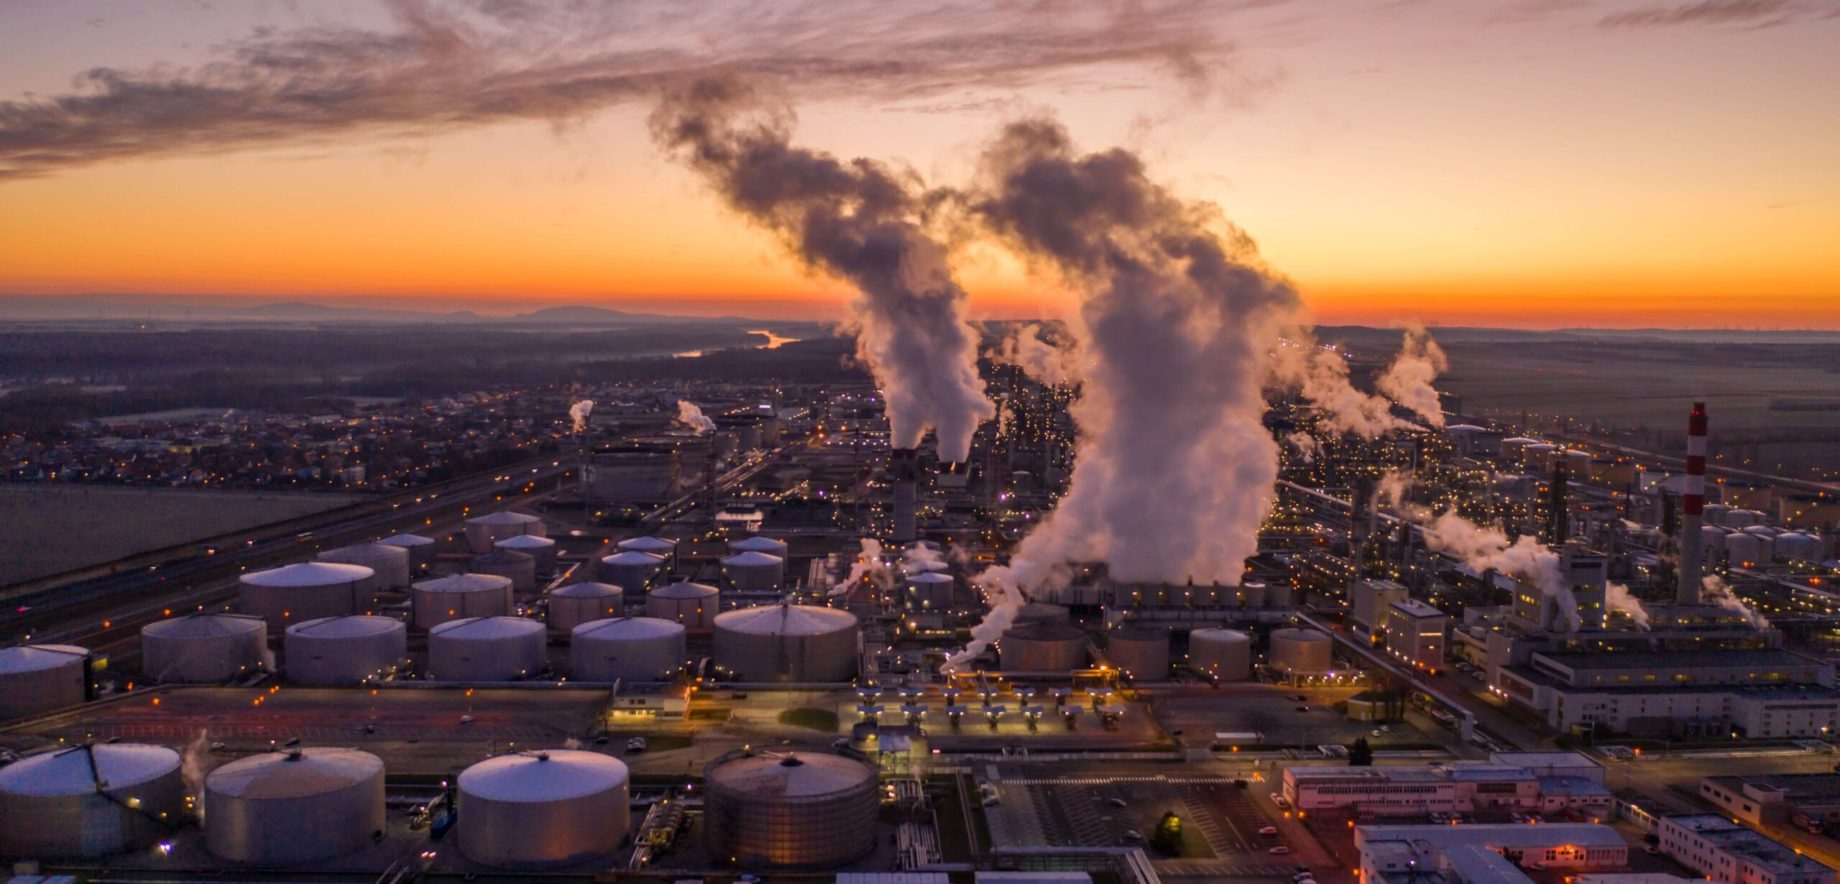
{"x": 473, "y": 62}
{"x": 1709, "y": 12}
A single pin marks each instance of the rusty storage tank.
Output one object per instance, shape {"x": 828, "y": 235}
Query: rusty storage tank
{"x": 1140, "y": 653}
{"x": 1043, "y": 646}
{"x": 791, "y": 811}
{"x": 1225, "y": 654}
{"x": 1302, "y": 651}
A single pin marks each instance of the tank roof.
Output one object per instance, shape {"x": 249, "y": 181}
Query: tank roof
{"x": 587, "y": 589}
{"x": 790, "y": 776}
{"x": 347, "y": 626}
{"x": 309, "y": 574}
{"x": 752, "y": 558}
{"x": 37, "y": 658}
{"x": 504, "y": 518}
{"x": 299, "y": 773}
{"x": 82, "y": 769}
{"x": 1220, "y": 633}
{"x": 407, "y": 540}
{"x": 1045, "y": 630}
{"x": 554, "y": 775}
{"x": 646, "y": 543}
{"x": 684, "y": 589}
{"x": 524, "y": 541}
{"x": 634, "y": 557}
{"x": 613, "y": 628}
{"x": 1293, "y": 633}
{"x": 757, "y": 543}
{"x": 464, "y": 583}
{"x": 484, "y": 628}
{"x": 204, "y": 625}
{"x": 785, "y": 620}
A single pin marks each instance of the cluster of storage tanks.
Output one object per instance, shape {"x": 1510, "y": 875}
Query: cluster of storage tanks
{"x": 1754, "y": 545}
{"x": 1044, "y": 640}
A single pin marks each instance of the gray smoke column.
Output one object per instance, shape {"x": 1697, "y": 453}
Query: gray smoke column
{"x": 693, "y": 417}
{"x": 1408, "y": 380}
{"x": 578, "y": 414}
{"x": 1320, "y": 375}
{"x": 1049, "y": 362}
{"x": 857, "y": 220}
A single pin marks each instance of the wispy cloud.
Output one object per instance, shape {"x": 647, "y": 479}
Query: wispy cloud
{"x": 467, "y": 63}
{"x": 1755, "y": 13}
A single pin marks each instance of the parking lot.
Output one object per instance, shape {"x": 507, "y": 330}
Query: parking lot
{"x": 1281, "y": 720}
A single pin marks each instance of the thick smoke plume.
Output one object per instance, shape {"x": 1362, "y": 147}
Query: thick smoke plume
{"x": 1713, "y": 590}
{"x": 870, "y": 566}
{"x": 1617, "y": 597}
{"x": 1049, "y": 362}
{"x": 578, "y": 414}
{"x": 1408, "y": 380}
{"x": 857, "y": 220}
{"x": 693, "y": 418}
{"x": 1305, "y": 444}
{"x": 1320, "y": 375}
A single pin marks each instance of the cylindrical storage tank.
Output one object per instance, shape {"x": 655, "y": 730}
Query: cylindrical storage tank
{"x": 1225, "y": 654}
{"x": 1762, "y": 531}
{"x": 795, "y": 643}
{"x": 390, "y": 563}
{"x": 1714, "y": 513}
{"x": 631, "y": 570}
{"x": 1142, "y": 654}
{"x": 521, "y": 568}
{"x": 421, "y": 549}
{"x": 695, "y": 605}
{"x": 483, "y": 531}
{"x": 203, "y": 647}
{"x": 1798, "y": 547}
{"x": 578, "y": 603}
{"x": 1747, "y": 550}
{"x": 795, "y": 811}
{"x": 1301, "y": 650}
{"x": 1578, "y": 464}
{"x": 486, "y": 649}
{"x": 542, "y": 549}
{"x": 1252, "y": 594}
{"x": 626, "y": 649}
{"x": 1515, "y": 447}
{"x": 754, "y": 571}
{"x": 298, "y": 806}
{"x": 1743, "y": 518}
{"x": 1711, "y": 543}
{"x": 344, "y": 650}
{"x": 40, "y": 678}
{"x": 929, "y": 591}
{"x": 1042, "y": 612}
{"x": 758, "y": 543}
{"x": 657, "y": 546}
{"x": 1042, "y": 646}
{"x": 307, "y": 591}
{"x": 459, "y": 597}
{"x": 1539, "y": 457}
{"x": 537, "y": 809}
{"x": 89, "y": 801}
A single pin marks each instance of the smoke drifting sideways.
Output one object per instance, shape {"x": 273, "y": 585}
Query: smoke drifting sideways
{"x": 1713, "y": 590}
{"x": 1051, "y": 362}
{"x": 1408, "y": 380}
{"x": 693, "y": 418}
{"x": 870, "y": 566}
{"x": 857, "y": 220}
{"x": 578, "y": 415}
{"x": 1617, "y": 597}
{"x": 1173, "y": 468}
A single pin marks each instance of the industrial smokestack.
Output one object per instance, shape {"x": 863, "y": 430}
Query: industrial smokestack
{"x": 1692, "y": 508}
{"x": 904, "y": 465}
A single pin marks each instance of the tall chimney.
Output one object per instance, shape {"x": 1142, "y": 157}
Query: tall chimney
{"x": 1692, "y": 507}
{"x": 904, "y": 464}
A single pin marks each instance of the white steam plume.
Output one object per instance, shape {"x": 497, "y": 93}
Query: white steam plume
{"x": 1173, "y": 468}
{"x": 1714, "y": 590}
{"x": 857, "y": 220}
{"x": 1489, "y": 548}
{"x": 578, "y": 414}
{"x": 1617, "y": 597}
{"x": 194, "y": 763}
{"x": 1320, "y": 375}
{"x": 1392, "y": 489}
{"x": 1408, "y": 380}
{"x": 693, "y": 417}
{"x": 1050, "y": 362}
{"x": 868, "y": 566}
{"x": 1305, "y": 444}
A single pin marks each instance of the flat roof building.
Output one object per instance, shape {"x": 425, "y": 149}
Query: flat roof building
{"x": 1731, "y": 853}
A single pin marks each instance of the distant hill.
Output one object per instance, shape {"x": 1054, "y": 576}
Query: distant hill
{"x": 579, "y": 315}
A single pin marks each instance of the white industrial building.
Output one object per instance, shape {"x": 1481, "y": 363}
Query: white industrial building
{"x": 1484, "y": 854}
{"x": 1521, "y": 781}
{"x": 1368, "y": 604}
{"x": 1759, "y": 694}
{"x": 1415, "y": 634}
{"x": 1730, "y": 853}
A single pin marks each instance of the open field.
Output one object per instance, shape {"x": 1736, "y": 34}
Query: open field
{"x": 47, "y": 529}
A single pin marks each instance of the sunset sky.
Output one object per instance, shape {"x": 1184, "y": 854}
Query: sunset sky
{"x": 1525, "y": 162}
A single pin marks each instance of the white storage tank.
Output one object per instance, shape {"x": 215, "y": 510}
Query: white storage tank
{"x": 754, "y": 572}
{"x": 1745, "y": 550}
{"x": 538, "y": 809}
{"x": 1539, "y": 457}
{"x": 89, "y": 801}
{"x": 1577, "y": 464}
{"x": 542, "y": 549}
{"x": 695, "y": 605}
{"x": 1142, "y": 654}
{"x": 929, "y": 591}
{"x": 203, "y": 647}
{"x": 345, "y": 650}
{"x": 1714, "y": 513}
{"x": 1744, "y": 518}
{"x": 758, "y": 543}
{"x": 389, "y": 562}
{"x": 1043, "y": 646}
{"x": 578, "y": 603}
{"x": 421, "y": 549}
{"x": 626, "y": 649}
{"x": 483, "y": 531}
{"x": 486, "y": 649}
{"x": 1251, "y": 594}
{"x": 1301, "y": 651}
{"x": 296, "y": 806}
{"x": 631, "y": 570}
{"x": 1798, "y": 547}
{"x": 521, "y": 568}
{"x": 792, "y": 811}
{"x": 458, "y": 597}
{"x": 39, "y": 678}
{"x": 793, "y": 643}
{"x": 1226, "y": 654}
{"x": 307, "y": 591}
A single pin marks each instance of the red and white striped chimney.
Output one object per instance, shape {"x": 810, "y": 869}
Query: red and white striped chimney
{"x": 1692, "y": 508}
